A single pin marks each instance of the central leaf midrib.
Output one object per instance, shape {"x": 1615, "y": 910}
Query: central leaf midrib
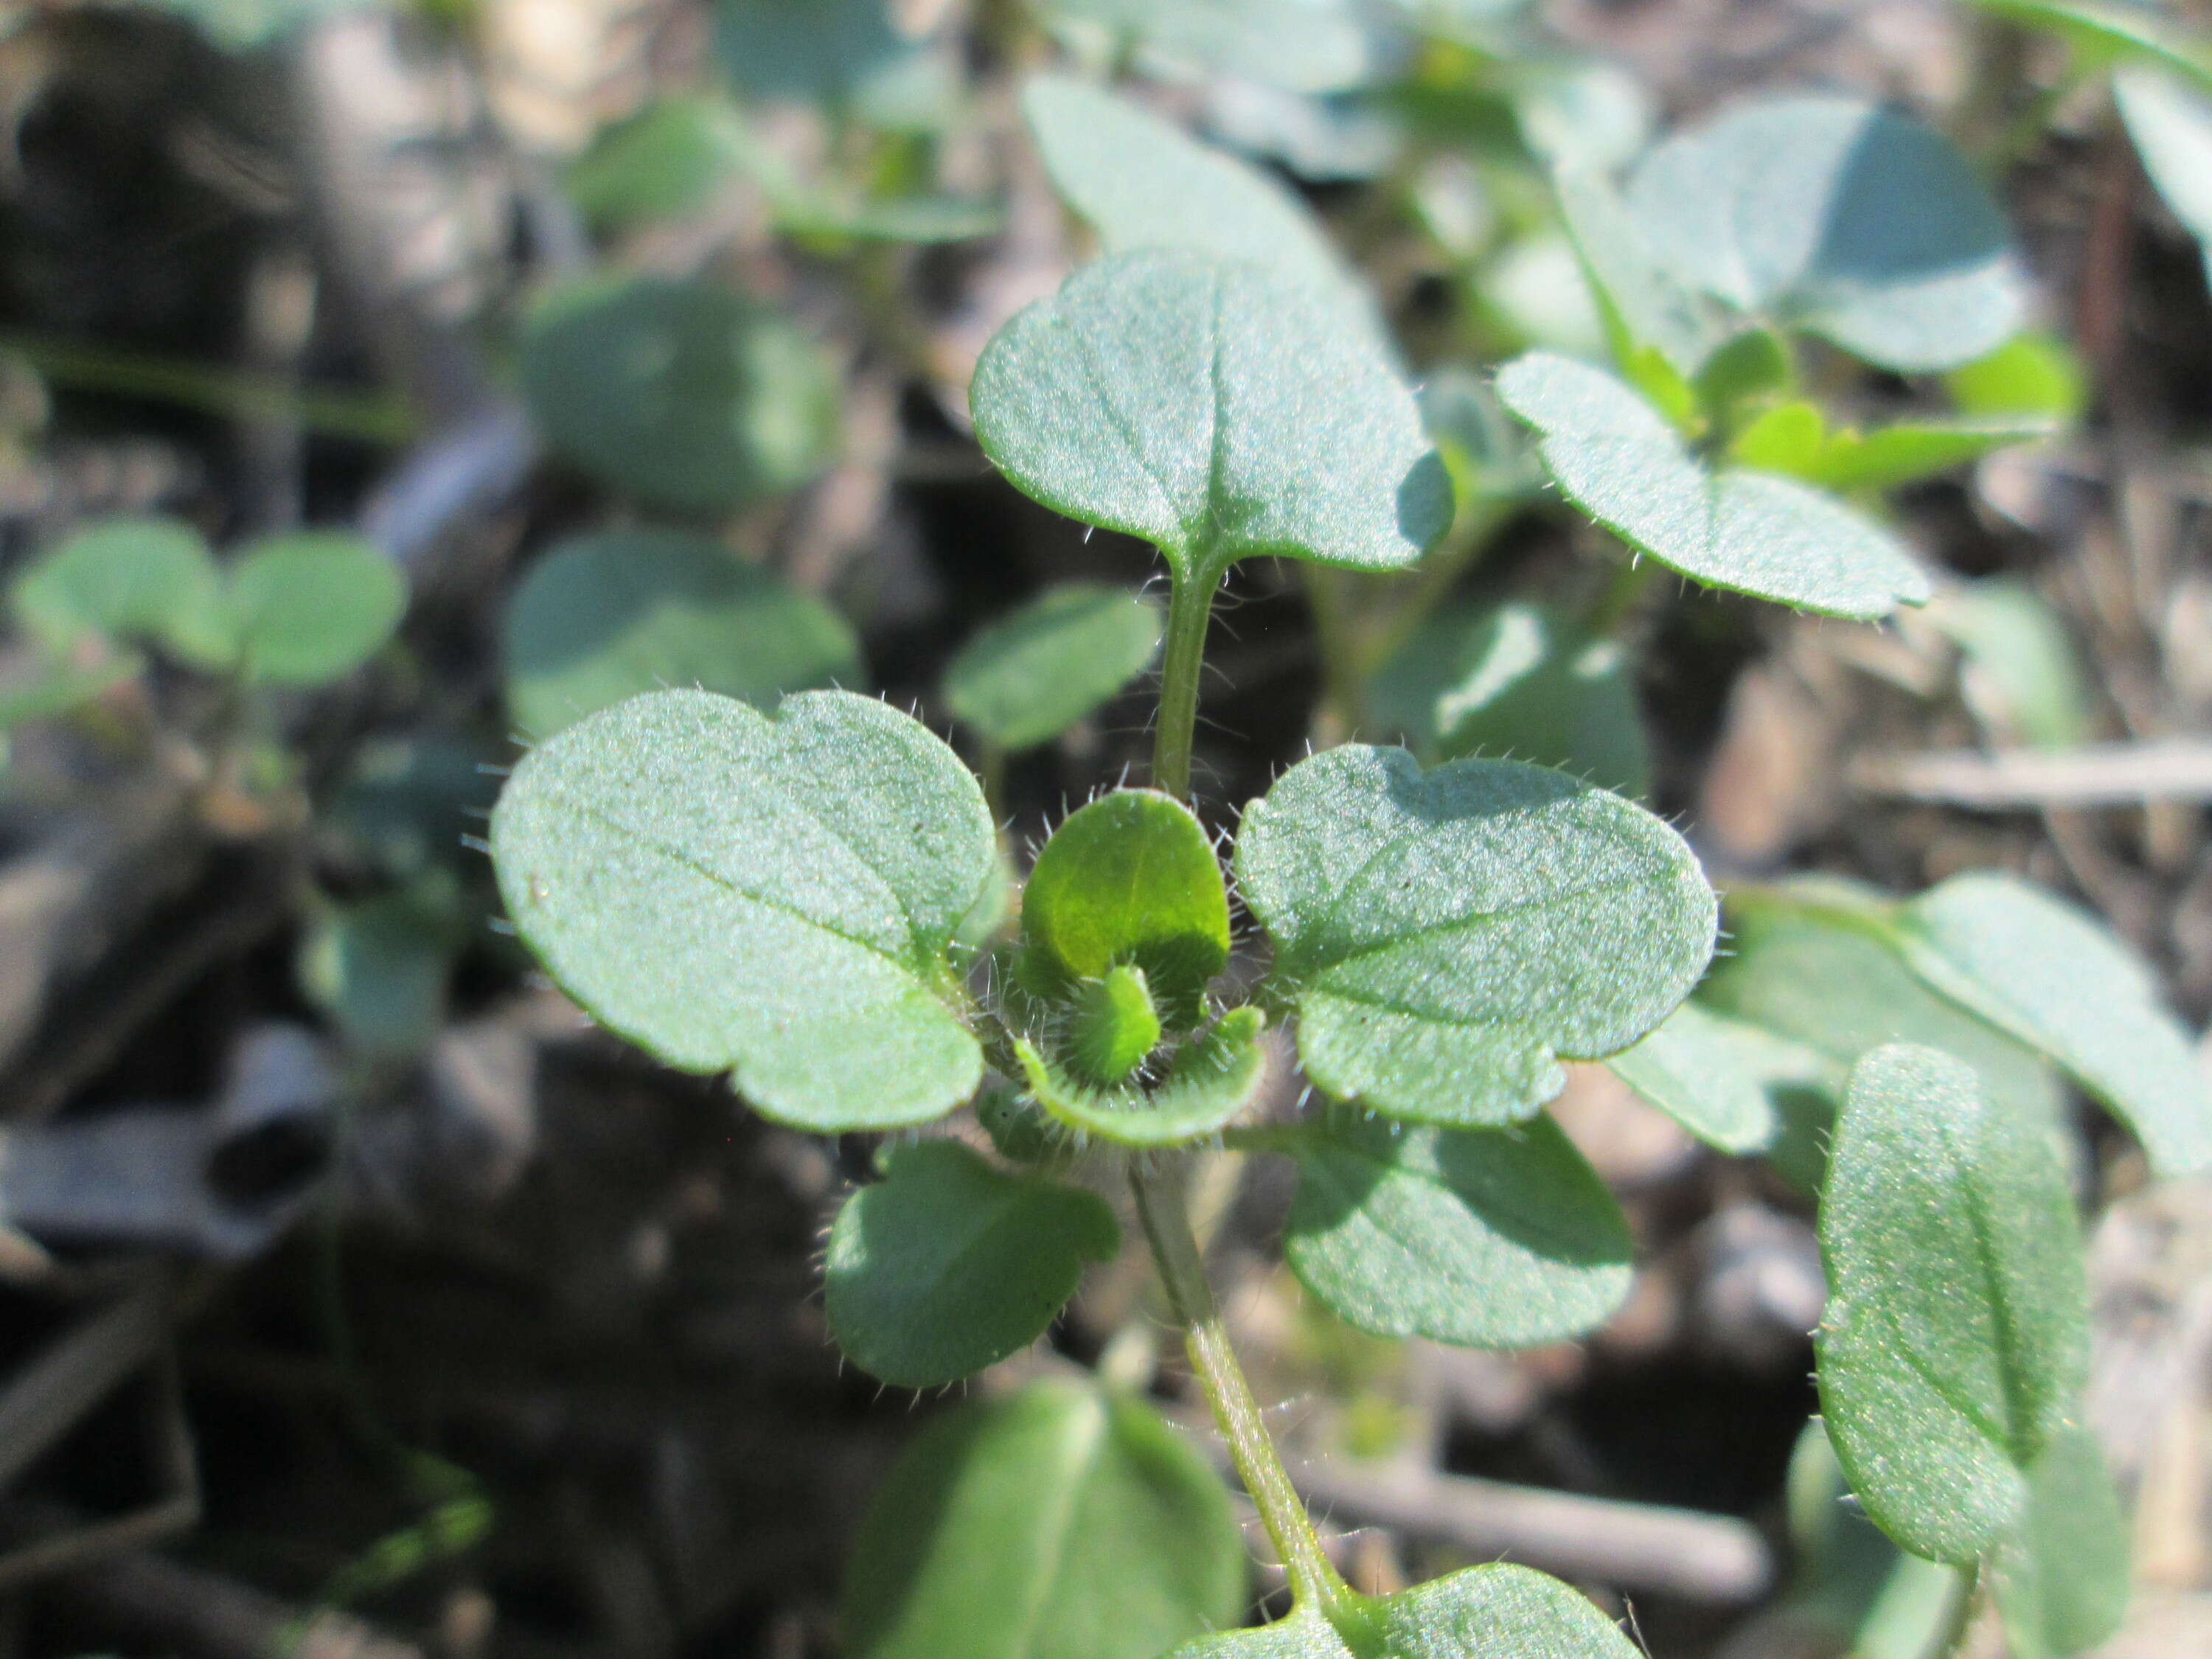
{"x": 1477, "y": 920}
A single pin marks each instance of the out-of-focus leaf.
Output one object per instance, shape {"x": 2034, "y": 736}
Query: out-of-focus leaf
{"x": 1717, "y": 1077}
{"x": 1852, "y": 1583}
{"x": 2023, "y": 677}
{"x": 1583, "y": 113}
{"x": 849, "y": 54}
{"x": 1837, "y": 217}
{"x": 2062, "y": 1577}
{"x": 1660, "y": 332}
{"x": 666, "y": 161}
{"x": 605, "y": 617}
{"x": 1489, "y": 455}
{"x": 1794, "y": 438}
{"x": 1306, "y": 45}
{"x": 378, "y": 968}
{"x": 1028, "y": 676}
{"x": 1322, "y": 139}
{"x": 1518, "y": 681}
{"x": 120, "y": 579}
{"x": 305, "y": 609}
{"x": 408, "y": 802}
{"x": 243, "y": 25}
{"x": 2106, "y": 30}
{"x": 680, "y": 393}
{"x": 1061, "y": 1521}
{"x": 2171, "y": 122}
{"x": 2031, "y": 375}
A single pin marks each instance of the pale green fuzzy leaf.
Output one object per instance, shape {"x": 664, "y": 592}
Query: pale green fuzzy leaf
{"x": 1028, "y": 676}
{"x": 2062, "y": 1577}
{"x": 307, "y": 609}
{"x": 605, "y": 617}
{"x": 1642, "y": 305}
{"x": 681, "y": 393}
{"x": 1212, "y": 1079}
{"x": 1487, "y": 1238}
{"x": 1618, "y": 459}
{"x": 1063, "y": 1522}
{"x": 1496, "y": 1612}
{"x": 2109, "y": 29}
{"x": 1448, "y": 936}
{"x": 1213, "y": 411}
{"x": 2022, "y": 676}
{"x": 1956, "y": 1335}
{"x": 1717, "y": 1076}
{"x": 1304, "y": 46}
{"x": 1835, "y": 216}
{"x": 771, "y": 897}
{"x": 947, "y": 1265}
{"x": 118, "y": 579}
{"x": 2170, "y": 123}
{"x": 2051, "y": 977}
{"x": 1518, "y": 681}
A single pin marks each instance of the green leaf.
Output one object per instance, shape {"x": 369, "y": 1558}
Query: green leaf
{"x": 1794, "y": 438}
{"x": 2032, "y": 374}
{"x": 1141, "y": 182}
{"x": 2023, "y": 677}
{"x": 1061, "y": 1522}
{"x": 1214, "y": 412}
{"x": 308, "y": 608}
{"x": 771, "y": 897}
{"x": 666, "y": 161}
{"x": 1488, "y": 1239}
{"x": 681, "y": 393}
{"x": 2062, "y": 1577}
{"x": 947, "y": 1265}
{"x": 1956, "y": 1336}
{"x": 2104, "y": 32}
{"x": 604, "y": 616}
{"x": 1488, "y": 454}
{"x": 1754, "y": 365}
{"x": 57, "y": 690}
{"x": 1213, "y": 1077}
{"x": 1113, "y": 1025}
{"x": 851, "y": 55}
{"x": 244, "y": 25}
{"x": 1615, "y": 457}
{"x": 1028, "y": 676}
{"x": 380, "y": 967}
{"x": 1851, "y": 1583}
{"x": 1520, "y": 681}
{"x": 2047, "y": 974}
{"x": 1497, "y": 1612}
{"x": 2170, "y": 123}
{"x": 1659, "y": 333}
{"x": 1132, "y": 879}
{"x": 118, "y": 579}
{"x": 1448, "y": 936}
{"x": 1306, "y": 45}
{"x": 1717, "y": 1077}
{"x": 1835, "y": 216}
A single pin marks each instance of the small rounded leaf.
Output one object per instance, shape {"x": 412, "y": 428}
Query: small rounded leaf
{"x": 683, "y": 394}
{"x": 118, "y": 578}
{"x": 1212, "y": 1079}
{"x": 947, "y": 1265}
{"x": 1215, "y": 411}
{"x": 308, "y": 608}
{"x": 776, "y": 898}
{"x": 1487, "y": 1238}
{"x": 1717, "y": 1077}
{"x": 1112, "y": 1026}
{"x": 1028, "y": 676}
{"x": 605, "y": 617}
{"x": 1061, "y": 1520}
{"x": 1448, "y": 936}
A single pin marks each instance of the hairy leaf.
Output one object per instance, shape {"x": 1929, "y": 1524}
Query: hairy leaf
{"x": 1113, "y": 1025}
{"x": 2062, "y": 1577}
{"x": 771, "y": 897}
{"x": 1213, "y": 411}
{"x": 604, "y": 616}
{"x": 1064, "y": 1522}
{"x": 1213, "y": 1077}
{"x": 1956, "y": 1335}
{"x": 1837, "y": 217}
{"x": 2047, "y": 974}
{"x": 678, "y": 393}
{"x": 1448, "y": 936}
{"x": 1717, "y": 1076}
{"x": 1028, "y": 676}
{"x": 1488, "y": 1239}
{"x": 1614, "y": 457}
{"x": 947, "y": 1265}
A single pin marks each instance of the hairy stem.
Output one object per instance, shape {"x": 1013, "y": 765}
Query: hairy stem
{"x": 1190, "y": 606}
{"x": 1314, "y": 1581}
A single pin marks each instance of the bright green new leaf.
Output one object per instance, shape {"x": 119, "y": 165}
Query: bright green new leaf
{"x": 947, "y": 1265}
{"x": 1496, "y": 1612}
{"x": 1131, "y": 877}
{"x": 1615, "y": 457}
{"x": 681, "y": 393}
{"x": 1755, "y": 364}
{"x": 1488, "y": 1239}
{"x": 1836, "y": 216}
{"x": 305, "y": 609}
{"x": 1521, "y": 682}
{"x": 1213, "y": 1077}
{"x": 607, "y": 616}
{"x": 771, "y": 897}
{"x": 2032, "y": 375}
{"x": 2046, "y": 974}
{"x": 2062, "y": 1577}
{"x": 1795, "y": 440}
{"x": 2171, "y": 122}
{"x": 2104, "y": 30}
{"x": 118, "y": 579}
{"x": 1028, "y": 676}
{"x": 1448, "y": 936}
{"x": 1141, "y": 182}
{"x": 1306, "y": 45}
{"x": 1213, "y": 411}
{"x": 1112, "y": 1026}
{"x": 1064, "y": 1522}
{"x": 2021, "y": 674}
{"x": 1956, "y": 1336}
{"x": 1717, "y": 1077}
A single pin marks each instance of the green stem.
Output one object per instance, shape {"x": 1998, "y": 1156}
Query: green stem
{"x": 991, "y": 772}
{"x": 1314, "y": 1581}
{"x": 1190, "y": 606}
{"x": 1964, "y": 1611}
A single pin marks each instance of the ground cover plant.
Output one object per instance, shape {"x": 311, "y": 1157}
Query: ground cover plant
{"x": 995, "y": 938}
